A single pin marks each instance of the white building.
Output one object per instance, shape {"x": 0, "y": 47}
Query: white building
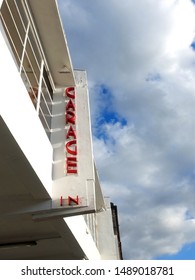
{"x": 51, "y": 203}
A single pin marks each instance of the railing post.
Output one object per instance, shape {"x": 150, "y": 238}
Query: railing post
{"x": 24, "y": 47}
{"x": 40, "y": 86}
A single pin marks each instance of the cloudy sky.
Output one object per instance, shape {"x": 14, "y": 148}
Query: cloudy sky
{"x": 140, "y": 60}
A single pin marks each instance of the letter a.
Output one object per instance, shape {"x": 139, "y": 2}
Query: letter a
{"x": 71, "y": 133}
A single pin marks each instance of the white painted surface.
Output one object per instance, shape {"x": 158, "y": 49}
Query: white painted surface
{"x": 82, "y": 234}
{"x": 21, "y": 118}
{"x": 82, "y": 183}
{"x": 107, "y": 241}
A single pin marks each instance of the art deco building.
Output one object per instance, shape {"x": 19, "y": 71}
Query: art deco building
{"x": 51, "y": 202}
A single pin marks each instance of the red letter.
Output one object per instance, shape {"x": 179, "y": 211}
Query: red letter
{"x": 70, "y": 105}
{"x": 75, "y": 200}
{"x": 71, "y": 151}
{"x": 71, "y": 133}
{"x": 71, "y": 165}
{"x": 70, "y": 92}
{"x": 70, "y": 117}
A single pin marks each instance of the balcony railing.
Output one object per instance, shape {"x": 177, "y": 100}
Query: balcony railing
{"x": 29, "y": 58}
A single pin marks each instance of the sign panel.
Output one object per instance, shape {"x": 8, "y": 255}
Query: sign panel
{"x": 73, "y": 165}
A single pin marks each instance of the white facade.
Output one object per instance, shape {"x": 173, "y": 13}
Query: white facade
{"x": 52, "y": 205}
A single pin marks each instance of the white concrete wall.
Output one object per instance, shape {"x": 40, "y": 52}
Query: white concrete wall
{"x": 107, "y": 241}
{"x": 21, "y": 118}
{"x": 82, "y": 183}
{"x": 83, "y": 236}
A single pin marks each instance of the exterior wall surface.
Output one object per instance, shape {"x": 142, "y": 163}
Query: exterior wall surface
{"x": 21, "y": 118}
{"x": 80, "y": 184}
{"x": 69, "y": 212}
{"x": 82, "y": 233}
{"x": 107, "y": 241}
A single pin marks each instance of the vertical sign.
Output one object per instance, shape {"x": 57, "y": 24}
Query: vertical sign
{"x": 74, "y": 176}
{"x": 71, "y": 136}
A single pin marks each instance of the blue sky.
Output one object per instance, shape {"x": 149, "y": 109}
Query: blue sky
{"x": 140, "y": 60}
{"x": 106, "y": 112}
{"x": 186, "y": 253}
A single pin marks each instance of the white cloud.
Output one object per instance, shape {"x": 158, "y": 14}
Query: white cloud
{"x": 182, "y": 28}
{"x": 140, "y": 50}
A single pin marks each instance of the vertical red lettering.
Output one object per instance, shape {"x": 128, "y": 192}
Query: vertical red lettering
{"x": 70, "y": 92}
{"x": 70, "y": 105}
{"x": 61, "y": 201}
{"x": 71, "y": 147}
{"x": 71, "y": 133}
{"x": 71, "y": 165}
{"x": 70, "y": 117}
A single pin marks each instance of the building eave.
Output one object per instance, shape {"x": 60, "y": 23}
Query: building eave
{"x": 50, "y": 31}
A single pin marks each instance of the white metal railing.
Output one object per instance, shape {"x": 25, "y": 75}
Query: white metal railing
{"x": 24, "y": 47}
{"x": 10, "y": 38}
{"x": 28, "y": 56}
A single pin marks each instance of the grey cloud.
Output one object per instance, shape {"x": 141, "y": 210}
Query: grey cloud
{"x": 147, "y": 165}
